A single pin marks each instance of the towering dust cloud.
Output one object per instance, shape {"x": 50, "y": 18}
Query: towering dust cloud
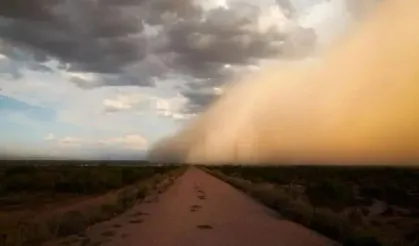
{"x": 359, "y": 104}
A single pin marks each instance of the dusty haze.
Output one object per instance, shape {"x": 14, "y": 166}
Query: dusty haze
{"x": 359, "y": 104}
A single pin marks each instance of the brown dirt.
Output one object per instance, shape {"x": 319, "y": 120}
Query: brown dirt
{"x": 225, "y": 217}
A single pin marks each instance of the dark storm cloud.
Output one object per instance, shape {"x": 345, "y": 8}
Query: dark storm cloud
{"x": 121, "y": 2}
{"x": 129, "y": 42}
{"x": 90, "y": 36}
{"x": 39, "y": 67}
{"x": 84, "y": 84}
{"x": 198, "y": 100}
{"x": 21, "y": 54}
{"x": 103, "y": 36}
{"x": 13, "y": 61}
{"x": 221, "y": 38}
{"x": 8, "y": 69}
{"x": 83, "y": 52}
{"x": 112, "y": 80}
{"x": 226, "y": 36}
{"x": 169, "y": 11}
{"x": 203, "y": 47}
{"x": 24, "y": 9}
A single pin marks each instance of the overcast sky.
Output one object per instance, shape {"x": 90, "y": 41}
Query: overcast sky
{"x": 109, "y": 78}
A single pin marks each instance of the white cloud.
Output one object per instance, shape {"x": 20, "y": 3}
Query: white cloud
{"x": 85, "y": 109}
{"x": 173, "y": 107}
{"x": 111, "y": 143}
{"x": 124, "y": 102}
{"x": 213, "y": 4}
{"x": 3, "y": 57}
{"x": 84, "y": 80}
{"x": 50, "y": 137}
{"x": 272, "y": 17}
{"x": 115, "y": 105}
{"x": 70, "y": 141}
{"x": 174, "y": 104}
{"x": 176, "y": 116}
{"x": 131, "y": 141}
{"x": 329, "y": 19}
{"x": 218, "y": 90}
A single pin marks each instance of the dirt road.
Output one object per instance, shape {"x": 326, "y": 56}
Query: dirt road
{"x": 200, "y": 210}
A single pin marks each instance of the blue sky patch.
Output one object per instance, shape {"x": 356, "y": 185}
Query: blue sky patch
{"x": 8, "y": 105}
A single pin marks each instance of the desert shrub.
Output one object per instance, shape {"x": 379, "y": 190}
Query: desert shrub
{"x": 397, "y": 195}
{"x": 141, "y": 192}
{"x": 297, "y": 211}
{"x": 67, "y": 186}
{"x": 130, "y": 176}
{"x": 330, "y": 193}
{"x": 127, "y": 197}
{"x": 34, "y": 233}
{"x": 18, "y": 182}
{"x": 20, "y": 170}
{"x": 361, "y": 238}
{"x": 412, "y": 236}
{"x": 330, "y": 190}
{"x": 328, "y": 223}
{"x": 72, "y": 222}
{"x": 272, "y": 197}
{"x": 372, "y": 191}
{"x": 71, "y": 179}
{"x": 44, "y": 181}
{"x": 108, "y": 209}
{"x": 74, "y": 179}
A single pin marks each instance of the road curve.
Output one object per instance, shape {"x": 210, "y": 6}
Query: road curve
{"x": 199, "y": 209}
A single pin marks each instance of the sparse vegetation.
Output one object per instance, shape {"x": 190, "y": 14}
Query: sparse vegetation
{"x": 43, "y": 201}
{"x": 72, "y": 179}
{"x": 356, "y": 206}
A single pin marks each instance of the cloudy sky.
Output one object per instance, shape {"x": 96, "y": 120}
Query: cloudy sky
{"x": 109, "y": 78}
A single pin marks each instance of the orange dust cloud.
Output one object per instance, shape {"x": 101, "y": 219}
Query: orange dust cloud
{"x": 358, "y": 104}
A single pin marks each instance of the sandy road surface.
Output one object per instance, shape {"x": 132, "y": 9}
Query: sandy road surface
{"x": 200, "y": 210}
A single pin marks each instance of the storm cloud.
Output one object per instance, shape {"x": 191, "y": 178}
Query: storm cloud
{"x": 131, "y": 42}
